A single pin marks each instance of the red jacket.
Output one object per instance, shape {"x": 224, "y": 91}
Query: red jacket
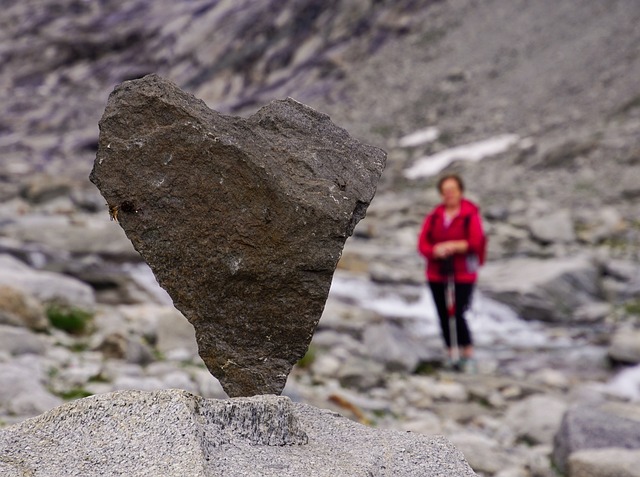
{"x": 467, "y": 225}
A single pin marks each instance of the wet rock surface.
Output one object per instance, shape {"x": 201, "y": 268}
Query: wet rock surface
{"x": 242, "y": 221}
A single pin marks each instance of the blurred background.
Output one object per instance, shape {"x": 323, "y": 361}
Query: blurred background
{"x": 535, "y": 104}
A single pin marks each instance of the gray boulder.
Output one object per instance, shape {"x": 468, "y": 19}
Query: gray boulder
{"x": 624, "y": 276}
{"x": 242, "y": 221}
{"x": 554, "y": 227}
{"x": 21, "y": 309}
{"x": 17, "y": 341}
{"x": 606, "y": 425}
{"x": 546, "y": 290}
{"x": 47, "y": 287}
{"x": 80, "y": 235}
{"x": 174, "y": 433}
{"x": 592, "y": 312}
{"x": 537, "y": 418}
{"x": 22, "y": 392}
{"x": 600, "y": 224}
{"x": 121, "y": 346}
{"x": 393, "y": 346}
{"x": 483, "y": 453}
{"x": 625, "y": 345}
{"x": 609, "y": 462}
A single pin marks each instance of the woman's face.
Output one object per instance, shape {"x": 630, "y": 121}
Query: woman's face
{"x": 451, "y": 193}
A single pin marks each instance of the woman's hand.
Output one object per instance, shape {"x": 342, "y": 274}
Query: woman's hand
{"x": 451, "y": 247}
{"x": 443, "y": 250}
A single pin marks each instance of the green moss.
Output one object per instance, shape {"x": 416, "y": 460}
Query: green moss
{"x": 158, "y": 355}
{"x": 98, "y": 378}
{"x": 79, "y": 347}
{"x": 555, "y": 468}
{"x": 308, "y": 358}
{"x": 427, "y": 368}
{"x": 75, "y": 393}
{"x": 616, "y": 243}
{"x": 527, "y": 441}
{"x": 70, "y": 319}
{"x": 481, "y": 400}
{"x": 632, "y": 307}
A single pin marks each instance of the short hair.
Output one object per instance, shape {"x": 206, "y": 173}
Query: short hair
{"x": 454, "y": 177}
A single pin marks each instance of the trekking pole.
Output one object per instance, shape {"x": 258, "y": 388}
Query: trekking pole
{"x": 453, "y": 330}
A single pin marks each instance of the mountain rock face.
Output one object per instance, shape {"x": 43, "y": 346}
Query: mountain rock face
{"x": 242, "y": 221}
{"x": 174, "y": 433}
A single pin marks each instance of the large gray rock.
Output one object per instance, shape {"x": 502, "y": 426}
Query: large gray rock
{"x": 80, "y": 235}
{"x": 547, "y": 290}
{"x": 554, "y": 227}
{"x": 22, "y": 392}
{"x": 21, "y": 309}
{"x": 393, "y": 346}
{"x": 625, "y": 345}
{"x": 537, "y": 418}
{"x": 47, "y": 287}
{"x": 607, "y": 425}
{"x": 483, "y": 453}
{"x": 17, "y": 341}
{"x": 174, "y": 433}
{"x": 601, "y": 224}
{"x": 609, "y": 462}
{"x": 242, "y": 221}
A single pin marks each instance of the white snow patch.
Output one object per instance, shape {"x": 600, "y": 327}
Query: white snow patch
{"x": 473, "y": 152}
{"x": 423, "y": 136}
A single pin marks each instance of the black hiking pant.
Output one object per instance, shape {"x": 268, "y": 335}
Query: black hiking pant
{"x": 463, "y": 292}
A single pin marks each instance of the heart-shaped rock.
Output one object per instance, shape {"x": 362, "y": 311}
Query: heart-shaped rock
{"x": 241, "y": 220}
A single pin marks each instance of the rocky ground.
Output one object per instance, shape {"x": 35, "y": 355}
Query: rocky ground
{"x": 81, "y": 314}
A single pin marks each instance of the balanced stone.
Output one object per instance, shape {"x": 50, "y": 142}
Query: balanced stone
{"x": 241, "y": 220}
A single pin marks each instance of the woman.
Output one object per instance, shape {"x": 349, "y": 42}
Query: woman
{"x": 452, "y": 240}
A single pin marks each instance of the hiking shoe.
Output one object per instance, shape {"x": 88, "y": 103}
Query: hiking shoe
{"x": 449, "y": 365}
{"x": 469, "y": 366}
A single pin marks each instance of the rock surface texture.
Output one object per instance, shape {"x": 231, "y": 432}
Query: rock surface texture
{"x": 545, "y": 290}
{"x": 174, "y": 433}
{"x": 242, "y": 221}
{"x": 607, "y": 462}
{"x": 610, "y": 425}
